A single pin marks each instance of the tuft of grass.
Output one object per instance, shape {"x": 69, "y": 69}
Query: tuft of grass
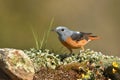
{"x": 42, "y": 43}
{"x": 36, "y": 38}
{"x": 49, "y": 29}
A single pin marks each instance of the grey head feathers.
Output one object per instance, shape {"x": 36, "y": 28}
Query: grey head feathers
{"x": 63, "y": 32}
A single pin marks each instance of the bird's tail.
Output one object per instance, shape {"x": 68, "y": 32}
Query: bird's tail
{"x": 94, "y": 37}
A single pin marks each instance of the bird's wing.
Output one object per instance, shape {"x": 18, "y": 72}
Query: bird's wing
{"x": 80, "y": 35}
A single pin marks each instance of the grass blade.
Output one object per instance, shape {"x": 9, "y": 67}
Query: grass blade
{"x": 35, "y": 38}
{"x": 49, "y": 29}
{"x": 42, "y": 41}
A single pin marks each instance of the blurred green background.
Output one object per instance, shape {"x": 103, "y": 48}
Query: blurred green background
{"x": 101, "y": 17}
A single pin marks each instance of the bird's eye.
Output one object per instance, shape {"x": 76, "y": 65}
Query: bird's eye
{"x": 62, "y": 29}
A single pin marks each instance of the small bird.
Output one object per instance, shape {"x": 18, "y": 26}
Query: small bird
{"x": 73, "y": 39}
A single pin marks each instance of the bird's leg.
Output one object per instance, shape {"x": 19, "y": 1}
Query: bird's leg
{"x": 70, "y": 50}
{"x": 82, "y": 47}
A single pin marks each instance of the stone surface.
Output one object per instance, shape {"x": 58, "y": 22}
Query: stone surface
{"x": 16, "y": 64}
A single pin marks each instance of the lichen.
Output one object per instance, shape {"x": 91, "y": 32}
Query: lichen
{"x": 43, "y": 58}
{"x": 89, "y": 64}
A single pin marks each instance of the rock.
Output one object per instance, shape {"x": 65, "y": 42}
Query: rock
{"x": 4, "y": 76}
{"x": 16, "y": 64}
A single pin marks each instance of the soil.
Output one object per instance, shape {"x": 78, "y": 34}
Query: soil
{"x": 59, "y": 74}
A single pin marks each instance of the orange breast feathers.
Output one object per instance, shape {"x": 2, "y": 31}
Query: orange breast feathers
{"x": 74, "y": 44}
{"x": 70, "y": 43}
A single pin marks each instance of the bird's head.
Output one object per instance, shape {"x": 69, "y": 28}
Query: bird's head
{"x": 63, "y": 32}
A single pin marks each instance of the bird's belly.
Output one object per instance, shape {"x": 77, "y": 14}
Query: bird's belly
{"x": 75, "y": 44}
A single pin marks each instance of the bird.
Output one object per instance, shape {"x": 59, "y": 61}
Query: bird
{"x": 73, "y": 39}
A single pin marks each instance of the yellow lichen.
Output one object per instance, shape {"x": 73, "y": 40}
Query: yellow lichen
{"x": 115, "y": 64}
